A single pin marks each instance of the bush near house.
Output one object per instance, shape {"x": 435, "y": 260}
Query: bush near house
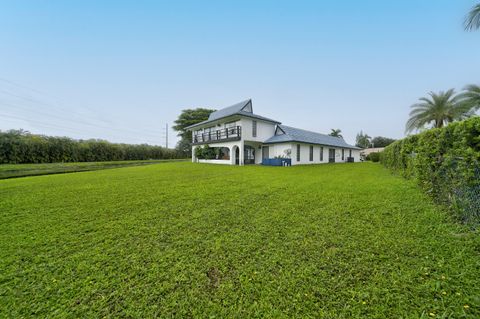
{"x": 445, "y": 162}
{"x": 374, "y": 157}
{"x": 205, "y": 152}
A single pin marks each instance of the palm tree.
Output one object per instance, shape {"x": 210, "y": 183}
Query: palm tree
{"x": 363, "y": 140}
{"x": 472, "y": 21}
{"x": 471, "y": 98}
{"x": 336, "y": 133}
{"x": 441, "y": 108}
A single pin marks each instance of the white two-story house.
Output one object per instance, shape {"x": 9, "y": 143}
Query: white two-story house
{"x": 238, "y": 137}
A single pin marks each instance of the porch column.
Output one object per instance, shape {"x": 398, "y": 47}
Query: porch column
{"x": 232, "y": 155}
{"x": 193, "y": 153}
{"x": 242, "y": 153}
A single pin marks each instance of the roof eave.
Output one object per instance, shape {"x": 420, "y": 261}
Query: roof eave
{"x": 324, "y": 144}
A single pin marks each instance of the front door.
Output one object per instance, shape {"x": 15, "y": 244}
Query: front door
{"x": 331, "y": 155}
{"x": 237, "y": 155}
{"x": 249, "y": 155}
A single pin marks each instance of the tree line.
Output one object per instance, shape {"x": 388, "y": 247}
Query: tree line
{"x": 19, "y": 146}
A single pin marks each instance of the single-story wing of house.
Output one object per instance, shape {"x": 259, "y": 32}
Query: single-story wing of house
{"x": 235, "y": 135}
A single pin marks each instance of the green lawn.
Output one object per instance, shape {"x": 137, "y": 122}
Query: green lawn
{"x": 20, "y": 170}
{"x": 193, "y": 240}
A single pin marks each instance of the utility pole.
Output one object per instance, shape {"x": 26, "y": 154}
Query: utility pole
{"x": 165, "y": 134}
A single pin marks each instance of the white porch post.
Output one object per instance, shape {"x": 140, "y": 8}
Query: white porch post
{"x": 232, "y": 155}
{"x": 241, "y": 153}
{"x": 193, "y": 153}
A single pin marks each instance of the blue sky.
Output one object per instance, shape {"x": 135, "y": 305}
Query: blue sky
{"x": 120, "y": 70}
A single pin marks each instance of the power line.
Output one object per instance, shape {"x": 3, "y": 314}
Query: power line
{"x": 28, "y": 108}
{"x": 67, "y": 129}
{"x": 69, "y": 111}
{"x": 80, "y": 122}
{"x": 56, "y": 106}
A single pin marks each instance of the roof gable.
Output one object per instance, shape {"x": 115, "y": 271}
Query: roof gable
{"x": 279, "y": 131}
{"x": 244, "y": 106}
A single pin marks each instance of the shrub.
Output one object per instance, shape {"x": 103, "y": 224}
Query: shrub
{"x": 206, "y": 152}
{"x": 18, "y": 146}
{"x": 445, "y": 162}
{"x": 374, "y": 157}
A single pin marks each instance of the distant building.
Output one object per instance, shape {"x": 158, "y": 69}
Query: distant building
{"x": 366, "y": 151}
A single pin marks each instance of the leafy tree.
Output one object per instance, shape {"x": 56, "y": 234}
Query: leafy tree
{"x": 184, "y": 147}
{"x": 186, "y": 118}
{"x": 472, "y": 21}
{"x": 362, "y": 140}
{"x": 439, "y": 108}
{"x": 336, "y": 133}
{"x": 471, "y": 98}
{"x": 380, "y": 141}
{"x": 189, "y": 117}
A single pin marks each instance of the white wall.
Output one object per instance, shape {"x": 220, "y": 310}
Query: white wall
{"x": 265, "y": 130}
{"x": 215, "y": 161}
{"x": 275, "y": 150}
{"x": 356, "y": 155}
{"x": 305, "y": 154}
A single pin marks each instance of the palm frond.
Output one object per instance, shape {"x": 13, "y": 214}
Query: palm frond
{"x": 471, "y": 97}
{"x": 472, "y": 21}
{"x": 437, "y": 108}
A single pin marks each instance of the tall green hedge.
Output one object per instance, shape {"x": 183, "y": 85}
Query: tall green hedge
{"x": 17, "y": 146}
{"x": 446, "y": 164}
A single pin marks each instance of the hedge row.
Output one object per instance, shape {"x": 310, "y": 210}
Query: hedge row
{"x": 22, "y": 147}
{"x": 445, "y": 162}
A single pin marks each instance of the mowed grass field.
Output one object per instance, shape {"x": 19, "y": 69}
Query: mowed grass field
{"x": 199, "y": 240}
{"x": 21, "y": 170}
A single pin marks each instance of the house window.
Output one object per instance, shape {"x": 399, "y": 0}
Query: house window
{"x": 298, "y": 152}
{"x": 321, "y": 154}
{"x": 254, "y": 128}
{"x": 349, "y": 153}
{"x": 311, "y": 153}
{"x": 343, "y": 154}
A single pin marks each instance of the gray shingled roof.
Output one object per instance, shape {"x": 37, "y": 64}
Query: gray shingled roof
{"x": 230, "y": 110}
{"x": 236, "y": 109}
{"x": 297, "y": 135}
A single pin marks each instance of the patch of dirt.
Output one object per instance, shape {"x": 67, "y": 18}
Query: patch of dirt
{"x": 214, "y": 275}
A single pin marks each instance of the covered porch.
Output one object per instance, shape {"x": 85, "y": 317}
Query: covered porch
{"x": 231, "y": 153}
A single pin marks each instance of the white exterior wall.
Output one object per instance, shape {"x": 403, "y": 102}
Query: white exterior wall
{"x": 356, "y": 155}
{"x": 215, "y": 161}
{"x": 277, "y": 150}
{"x": 265, "y": 130}
{"x": 305, "y": 154}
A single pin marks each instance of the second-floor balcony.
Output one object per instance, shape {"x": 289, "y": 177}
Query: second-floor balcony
{"x": 223, "y": 135}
